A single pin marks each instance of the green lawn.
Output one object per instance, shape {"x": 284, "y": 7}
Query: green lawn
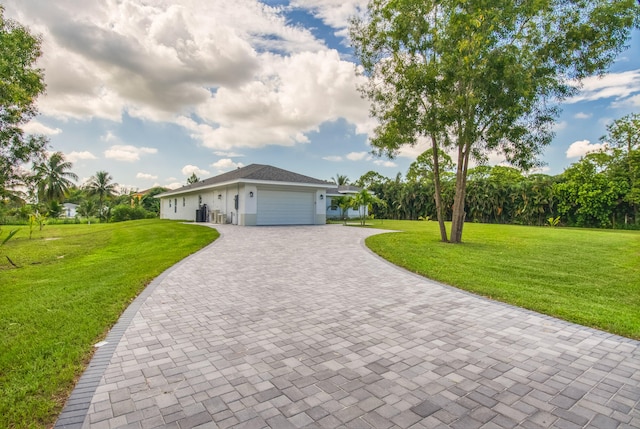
{"x": 586, "y": 276}
{"x": 73, "y": 283}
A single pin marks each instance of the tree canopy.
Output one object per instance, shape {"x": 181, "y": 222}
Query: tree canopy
{"x": 479, "y": 77}
{"x": 21, "y": 82}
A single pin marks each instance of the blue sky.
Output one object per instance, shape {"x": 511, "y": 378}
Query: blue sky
{"x": 154, "y": 91}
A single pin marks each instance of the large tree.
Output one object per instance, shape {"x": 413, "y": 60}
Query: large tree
{"x": 53, "y": 178}
{"x": 475, "y": 76}
{"x": 20, "y": 84}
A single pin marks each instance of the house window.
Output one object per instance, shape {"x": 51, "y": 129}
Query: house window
{"x": 199, "y": 200}
{"x": 183, "y": 201}
{"x": 175, "y": 205}
{"x": 169, "y": 203}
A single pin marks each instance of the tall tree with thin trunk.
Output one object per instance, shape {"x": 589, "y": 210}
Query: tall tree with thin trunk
{"x": 103, "y": 187}
{"x": 53, "y": 178}
{"x": 21, "y": 82}
{"x": 475, "y": 77}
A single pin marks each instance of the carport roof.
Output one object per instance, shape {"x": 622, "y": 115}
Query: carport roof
{"x": 252, "y": 172}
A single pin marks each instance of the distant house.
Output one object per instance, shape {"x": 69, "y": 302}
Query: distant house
{"x": 69, "y": 210}
{"x": 333, "y": 211}
{"x": 253, "y": 195}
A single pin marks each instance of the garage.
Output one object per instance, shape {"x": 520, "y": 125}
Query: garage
{"x": 285, "y": 208}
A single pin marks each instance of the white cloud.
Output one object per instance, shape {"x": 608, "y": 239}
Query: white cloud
{"x": 412, "y": 152}
{"x": 582, "y": 115}
{"x": 289, "y": 97}
{"x": 540, "y": 170}
{"x": 146, "y": 176}
{"x": 632, "y": 102}
{"x": 580, "y": 148}
{"x": 613, "y": 85}
{"x": 334, "y": 13}
{"x": 557, "y": 126}
{"x": 384, "y": 163}
{"x": 226, "y": 164}
{"x": 358, "y": 156}
{"x": 332, "y": 158}
{"x": 77, "y": 156}
{"x": 233, "y": 74}
{"x": 128, "y": 153}
{"x": 188, "y": 170}
{"x": 174, "y": 185}
{"x": 35, "y": 127}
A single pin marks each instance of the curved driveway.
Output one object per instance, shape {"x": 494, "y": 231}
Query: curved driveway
{"x": 289, "y": 327}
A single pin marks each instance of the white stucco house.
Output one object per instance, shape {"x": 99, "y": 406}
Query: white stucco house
{"x": 69, "y": 210}
{"x": 252, "y": 195}
{"x": 333, "y": 211}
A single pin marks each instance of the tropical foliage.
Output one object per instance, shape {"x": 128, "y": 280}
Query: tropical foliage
{"x": 597, "y": 191}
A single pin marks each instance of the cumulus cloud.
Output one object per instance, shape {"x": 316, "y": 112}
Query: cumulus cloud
{"x": 78, "y": 156}
{"x": 174, "y": 185}
{"x": 580, "y": 148}
{"x": 385, "y": 163}
{"x": 232, "y": 75}
{"x": 226, "y": 164}
{"x": 189, "y": 169}
{"x": 357, "y": 156}
{"x": 146, "y": 176}
{"x": 35, "y": 127}
{"x": 582, "y": 115}
{"x": 127, "y": 153}
{"x": 332, "y": 158}
{"x": 291, "y": 96}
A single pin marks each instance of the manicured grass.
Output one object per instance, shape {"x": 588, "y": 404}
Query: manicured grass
{"x": 73, "y": 283}
{"x": 587, "y": 276}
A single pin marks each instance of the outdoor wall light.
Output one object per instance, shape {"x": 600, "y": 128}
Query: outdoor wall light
{"x": 321, "y": 197}
{"x": 251, "y": 194}
{"x": 219, "y": 196}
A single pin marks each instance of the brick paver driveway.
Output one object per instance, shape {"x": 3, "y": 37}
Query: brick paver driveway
{"x": 289, "y": 327}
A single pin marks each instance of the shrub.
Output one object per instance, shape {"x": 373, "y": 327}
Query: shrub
{"x": 124, "y": 212}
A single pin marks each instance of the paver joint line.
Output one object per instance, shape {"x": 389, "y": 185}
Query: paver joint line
{"x": 263, "y": 328}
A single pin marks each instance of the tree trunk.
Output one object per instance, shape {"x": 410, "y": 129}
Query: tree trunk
{"x": 457, "y": 221}
{"x": 438, "y": 191}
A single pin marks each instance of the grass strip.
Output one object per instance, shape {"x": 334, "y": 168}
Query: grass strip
{"x": 73, "y": 283}
{"x": 586, "y": 276}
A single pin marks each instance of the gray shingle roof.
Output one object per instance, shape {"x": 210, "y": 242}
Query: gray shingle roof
{"x": 253, "y": 172}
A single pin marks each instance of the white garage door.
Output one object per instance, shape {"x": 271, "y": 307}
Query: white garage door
{"x": 285, "y": 208}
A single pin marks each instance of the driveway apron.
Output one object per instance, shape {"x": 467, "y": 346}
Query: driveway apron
{"x": 291, "y": 327}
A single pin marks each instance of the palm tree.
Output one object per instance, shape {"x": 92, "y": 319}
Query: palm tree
{"x": 87, "y": 208}
{"x": 54, "y": 178}
{"x": 340, "y": 180}
{"x": 101, "y": 185}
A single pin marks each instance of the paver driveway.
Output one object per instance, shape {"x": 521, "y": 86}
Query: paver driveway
{"x": 303, "y": 327}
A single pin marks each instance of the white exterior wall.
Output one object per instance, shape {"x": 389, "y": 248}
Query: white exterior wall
{"x": 186, "y": 206}
{"x": 222, "y": 200}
